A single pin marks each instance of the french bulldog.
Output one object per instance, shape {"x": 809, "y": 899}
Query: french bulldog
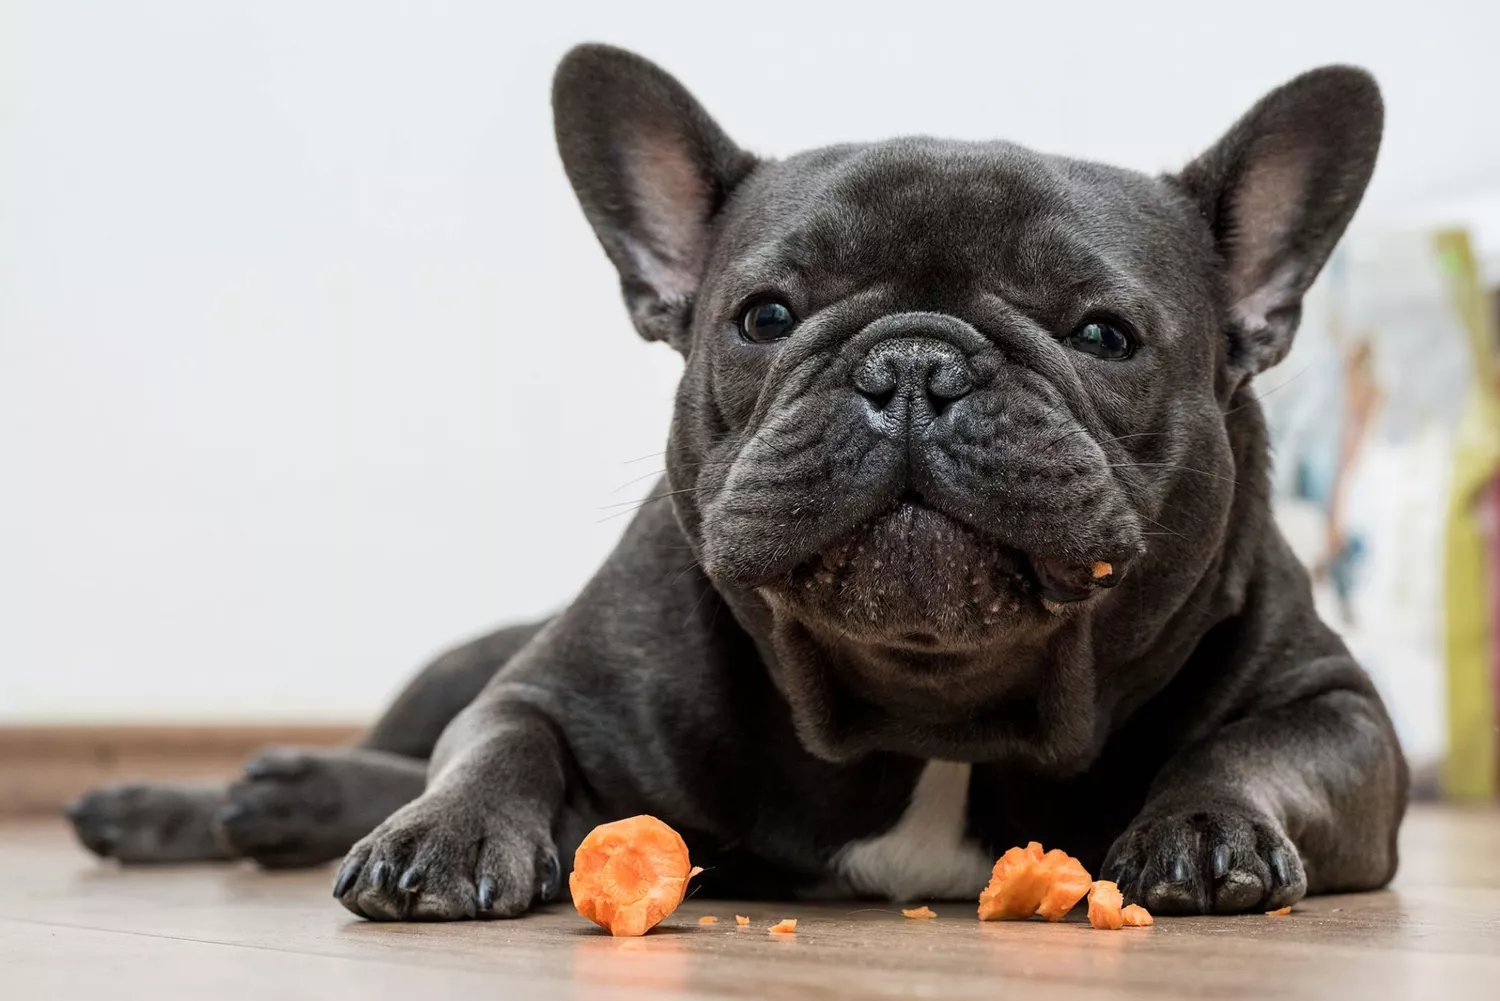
{"x": 964, "y": 541}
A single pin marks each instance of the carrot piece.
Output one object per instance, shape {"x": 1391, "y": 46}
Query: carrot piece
{"x": 630, "y": 874}
{"x": 1070, "y": 881}
{"x": 1027, "y": 881}
{"x": 786, "y": 926}
{"x": 708, "y": 919}
{"x": 741, "y": 920}
{"x": 1280, "y": 912}
{"x": 1101, "y": 569}
{"x": 1012, "y": 891}
{"x": 1104, "y": 906}
{"x": 1136, "y": 916}
{"x": 921, "y": 913}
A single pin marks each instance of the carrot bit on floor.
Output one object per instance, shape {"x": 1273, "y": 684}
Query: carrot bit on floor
{"x": 708, "y": 919}
{"x": 630, "y": 874}
{"x": 786, "y": 926}
{"x": 1280, "y": 912}
{"x": 1136, "y": 916}
{"x": 1105, "y": 902}
{"x": 741, "y": 920}
{"x": 1027, "y": 881}
{"x": 922, "y": 913}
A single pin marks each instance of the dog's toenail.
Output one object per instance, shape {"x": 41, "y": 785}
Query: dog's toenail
{"x": 1180, "y": 871}
{"x": 1221, "y": 860}
{"x": 551, "y": 876}
{"x": 379, "y": 872}
{"x": 486, "y": 892}
{"x": 1279, "y": 867}
{"x": 348, "y": 873}
{"x": 411, "y": 881}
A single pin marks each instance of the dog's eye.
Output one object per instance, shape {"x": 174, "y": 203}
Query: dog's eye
{"x": 766, "y": 321}
{"x": 1102, "y": 340}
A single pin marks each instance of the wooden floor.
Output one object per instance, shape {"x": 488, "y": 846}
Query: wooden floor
{"x": 72, "y": 927}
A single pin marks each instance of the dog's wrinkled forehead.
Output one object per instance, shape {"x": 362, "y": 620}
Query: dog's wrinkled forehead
{"x": 932, "y": 219}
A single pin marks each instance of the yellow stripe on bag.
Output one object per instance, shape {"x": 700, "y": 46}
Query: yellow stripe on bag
{"x": 1473, "y": 748}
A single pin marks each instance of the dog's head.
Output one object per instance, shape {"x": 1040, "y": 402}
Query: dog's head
{"x": 942, "y": 397}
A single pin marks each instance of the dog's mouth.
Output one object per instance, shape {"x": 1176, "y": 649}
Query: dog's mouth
{"x": 917, "y": 577}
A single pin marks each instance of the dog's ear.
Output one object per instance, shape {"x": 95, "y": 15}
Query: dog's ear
{"x": 1277, "y": 192}
{"x": 652, "y": 171}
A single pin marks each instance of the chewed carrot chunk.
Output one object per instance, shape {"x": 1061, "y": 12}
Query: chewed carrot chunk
{"x": 1280, "y": 912}
{"x": 1027, "y": 881}
{"x": 1101, "y": 569}
{"x": 786, "y": 926}
{"x": 921, "y": 913}
{"x": 1105, "y": 902}
{"x": 741, "y": 920}
{"x": 708, "y": 919}
{"x": 629, "y": 875}
{"x": 1070, "y": 882}
{"x": 1136, "y": 916}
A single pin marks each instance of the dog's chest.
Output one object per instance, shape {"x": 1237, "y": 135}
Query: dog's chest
{"x": 926, "y": 854}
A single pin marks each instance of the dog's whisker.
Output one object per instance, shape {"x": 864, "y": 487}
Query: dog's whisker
{"x": 1257, "y": 397}
{"x": 1173, "y": 465}
{"x": 662, "y": 496}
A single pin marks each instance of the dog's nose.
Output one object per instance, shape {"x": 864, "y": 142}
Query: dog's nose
{"x": 916, "y": 371}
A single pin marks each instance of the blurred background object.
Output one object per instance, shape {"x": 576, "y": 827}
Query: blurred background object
{"x": 283, "y": 286}
{"x": 1386, "y": 440}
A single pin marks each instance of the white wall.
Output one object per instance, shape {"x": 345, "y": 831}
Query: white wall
{"x": 309, "y": 365}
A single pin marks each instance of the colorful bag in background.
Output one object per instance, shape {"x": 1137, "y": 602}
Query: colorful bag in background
{"x": 1380, "y": 460}
{"x": 1473, "y": 631}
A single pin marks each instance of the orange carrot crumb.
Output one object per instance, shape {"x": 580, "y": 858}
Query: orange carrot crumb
{"x": 629, "y": 875}
{"x": 1136, "y": 916}
{"x": 1105, "y": 902}
{"x": 741, "y": 920}
{"x": 786, "y": 926}
{"x": 921, "y": 913}
{"x": 1027, "y": 881}
{"x": 1101, "y": 570}
{"x": 708, "y": 919}
{"x": 1280, "y": 912}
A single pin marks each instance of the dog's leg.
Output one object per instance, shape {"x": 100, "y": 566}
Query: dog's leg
{"x": 293, "y": 807}
{"x": 303, "y": 806}
{"x": 593, "y": 720}
{"x": 142, "y": 823}
{"x": 298, "y": 806}
{"x": 1304, "y": 796}
{"x": 415, "y": 720}
{"x": 479, "y": 840}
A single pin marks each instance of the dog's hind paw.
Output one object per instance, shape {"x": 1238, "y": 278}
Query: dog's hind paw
{"x": 1216, "y": 860}
{"x": 149, "y": 824}
{"x": 300, "y": 807}
{"x": 437, "y": 861}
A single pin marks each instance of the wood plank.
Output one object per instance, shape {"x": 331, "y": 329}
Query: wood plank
{"x": 229, "y": 931}
{"x": 43, "y": 767}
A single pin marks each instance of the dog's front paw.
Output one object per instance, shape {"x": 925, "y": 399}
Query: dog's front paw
{"x": 1221, "y": 860}
{"x": 437, "y": 860}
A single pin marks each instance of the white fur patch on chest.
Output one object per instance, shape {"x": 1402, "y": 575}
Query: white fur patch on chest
{"x": 925, "y": 855}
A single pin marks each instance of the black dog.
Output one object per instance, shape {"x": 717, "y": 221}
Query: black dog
{"x": 968, "y": 461}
